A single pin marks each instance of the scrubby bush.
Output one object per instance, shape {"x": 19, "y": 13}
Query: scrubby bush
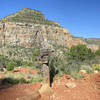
{"x": 10, "y": 66}
{"x": 96, "y": 67}
{"x": 80, "y": 53}
{"x": 39, "y": 79}
{"x": 87, "y": 69}
{"x": 3, "y": 62}
{"x": 76, "y": 76}
{"x": 27, "y": 64}
{"x": 71, "y": 61}
{"x": 35, "y": 54}
{"x": 90, "y": 62}
{"x": 97, "y": 53}
{"x": 53, "y": 66}
{"x": 72, "y": 66}
{"x": 18, "y": 63}
{"x": 60, "y": 66}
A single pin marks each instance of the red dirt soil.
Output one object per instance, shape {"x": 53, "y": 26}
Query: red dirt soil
{"x": 86, "y": 89}
{"x": 25, "y": 70}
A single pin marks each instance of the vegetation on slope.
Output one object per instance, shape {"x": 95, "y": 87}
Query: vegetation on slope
{"x": 64, "y": 60}
{"x": 28, "y": 15}
{"x": 73, "y": 60}
{"x": 80, "y": 53}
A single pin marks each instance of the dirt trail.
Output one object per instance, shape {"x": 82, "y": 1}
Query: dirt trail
{"x": 16, "y": 91}
{"x": 97, "y": 82}
{"x": 86, "y": 89}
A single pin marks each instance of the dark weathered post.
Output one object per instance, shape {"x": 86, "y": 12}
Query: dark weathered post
{"x": 45, "y": 67}
{"x": 44, "y": 53}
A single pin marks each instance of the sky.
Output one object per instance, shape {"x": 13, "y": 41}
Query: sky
{"x": 80, "y": 17}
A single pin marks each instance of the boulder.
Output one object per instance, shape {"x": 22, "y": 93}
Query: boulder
{"x": 83, "y": 72}
{"x": 46, "y": 90}
{"x": 95, "y": 71}
{"x": 70, "y": 85}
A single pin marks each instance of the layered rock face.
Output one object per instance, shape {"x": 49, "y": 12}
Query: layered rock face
{"x": 29, "y": 35}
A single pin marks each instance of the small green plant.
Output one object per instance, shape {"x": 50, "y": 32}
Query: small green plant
{"x": 10, "y": 66}
{"x": 22, "y": 80}
{"x": 96, "y": 67}
{"x": 36, "y": 78}
{"x": 97, "y": 53}
{"x": 35, "y": 54}
{"x": 27, "y": 63}
{"x": 72, "y": 66}
{"x": 3, "y": 62}
{"x": 18, "y": 63}
{"x": 76, "y": 76}
{"x": 88, "y": 70}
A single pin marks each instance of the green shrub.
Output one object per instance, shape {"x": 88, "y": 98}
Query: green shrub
{"x": 96, "y": 67}
{"x": 80, "y": 53}
{"x": 22, "y": 80}
{"x": 97, "y": 53}
{"x": 71, "y": 67}
{"x": 35, "y": 54}
{"x": 26, "y": 63}
{"x": 10, "y": 66}
{"x": 88, "y": 70}
{"x": 35, "y": 78}
{"x": 90, "y": 62}
{"x": 3, "y": 62}
{"x": 76, "y": 76}
{"x": 18, "y": 63}
{"x": 60, "y": 66}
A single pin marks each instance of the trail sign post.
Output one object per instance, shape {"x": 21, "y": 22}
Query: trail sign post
{"x": 44, "y": 54}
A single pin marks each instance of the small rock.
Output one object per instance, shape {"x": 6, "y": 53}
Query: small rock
{"x": 70, "y": 85}
{"x": 46, "y": 89}
{"x": 96, "y": 71}
{"x": 53, "y": 96}
{"x": 72, "y": 79}
{"x": 66, "y": 76}
{"x": 83, "y": 72}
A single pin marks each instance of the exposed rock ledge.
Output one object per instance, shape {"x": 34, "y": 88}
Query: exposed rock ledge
{"x": 29, "y": 35}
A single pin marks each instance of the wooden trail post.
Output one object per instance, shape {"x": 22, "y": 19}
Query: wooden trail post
{"x": 44, "y": 54}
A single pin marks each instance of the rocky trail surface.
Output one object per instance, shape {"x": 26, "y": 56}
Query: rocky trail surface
{"x": 64, "y": 88}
